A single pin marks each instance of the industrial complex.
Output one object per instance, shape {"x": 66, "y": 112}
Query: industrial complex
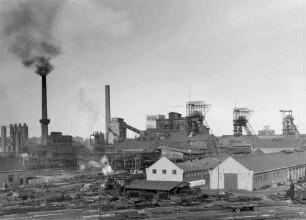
{"x": 176, "y": 154}
{"x": 181, "y": 139}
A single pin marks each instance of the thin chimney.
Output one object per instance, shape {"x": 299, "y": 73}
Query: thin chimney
{"x": 44, "y": 121}
{"x": 107, "y": 111}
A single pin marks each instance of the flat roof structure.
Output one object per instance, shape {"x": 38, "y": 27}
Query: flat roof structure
{"x": 155, "y": 185}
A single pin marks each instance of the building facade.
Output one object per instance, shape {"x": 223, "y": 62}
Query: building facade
{"x": 231, "y": 175}
{"x": 195, "y": 173}
{"x": 164, "y": 170}
{"x": 12, "y": 173}
{"x": 256, "y": 171}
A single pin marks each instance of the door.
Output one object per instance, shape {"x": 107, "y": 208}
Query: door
{"x": 230, "y": 181}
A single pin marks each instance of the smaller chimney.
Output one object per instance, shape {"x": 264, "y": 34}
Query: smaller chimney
{"x": 107, "y": 112}
{"x": 3, "y": 138}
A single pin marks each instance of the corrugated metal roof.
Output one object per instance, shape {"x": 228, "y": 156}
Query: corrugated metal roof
{"x": 268, "y": 162}
{"x": 153, "y": 185}
{"x": 176, "y": 138}
{"x": 10, "y": 164}
{"x": 181, "y": 147}
{"x": 206, "y": 163}
{"x": 276, "y": 143}
{"x": 133, "y": 145}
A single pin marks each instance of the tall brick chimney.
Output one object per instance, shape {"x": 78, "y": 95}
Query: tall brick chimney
{"x": 107, "y": 112}
{"x": 44, "y": 121}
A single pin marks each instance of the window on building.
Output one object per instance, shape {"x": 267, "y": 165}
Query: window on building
{"x": 154, "y": 171}
{"x": 11, "y": 178}
{"x": 164, "y": 171}
{"x": 174, "y": 172}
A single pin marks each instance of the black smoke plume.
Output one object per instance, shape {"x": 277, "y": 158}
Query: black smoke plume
{"x": 27, "y": 28}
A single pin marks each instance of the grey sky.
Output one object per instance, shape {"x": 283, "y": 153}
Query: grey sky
{"x": 152, "y": 52}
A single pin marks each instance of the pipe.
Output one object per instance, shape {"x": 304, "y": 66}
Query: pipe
{"x": 107, "y": 112}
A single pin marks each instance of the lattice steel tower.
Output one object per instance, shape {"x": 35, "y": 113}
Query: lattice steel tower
{"x": 289, "y": 128}
{"x": 241, "y": 118}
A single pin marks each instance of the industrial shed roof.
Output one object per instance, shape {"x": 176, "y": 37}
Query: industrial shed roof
{"x": 206, "y": 163}
{"x": 10, "y": 164}
{"x": 181, "y": 138}
{"x": 181, "y": 147}
{"x": 201, "y": 137}
{"x": 133, "y": 145}
{"x": 154, "y": 185}
{"x": 175, "y": 138}
{"x": 268, "y": 162}
{"x": 277, "y": 142}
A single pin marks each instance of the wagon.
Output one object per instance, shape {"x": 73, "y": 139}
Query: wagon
{"x": 237, "y": 207}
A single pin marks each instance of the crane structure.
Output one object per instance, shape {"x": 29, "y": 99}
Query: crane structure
{"x": 241, "y": 118}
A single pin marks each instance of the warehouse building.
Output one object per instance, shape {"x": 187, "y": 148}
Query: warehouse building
{"x": 246, "y": 144}
{"x": 255, "y": 171}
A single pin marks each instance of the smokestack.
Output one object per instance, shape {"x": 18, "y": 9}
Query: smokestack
{"x": 44, "y": 121}
{"x": 107, "y": 111}
{"x": 15, "y": 129}
{"x": 18, "y": 139}
{"x": 25, "y": 132}
{"x": 3, "y": 138}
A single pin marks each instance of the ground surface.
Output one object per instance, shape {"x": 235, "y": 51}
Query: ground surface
{"x": 59, "y": 201}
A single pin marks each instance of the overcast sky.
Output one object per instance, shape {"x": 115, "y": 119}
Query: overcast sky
{"x": 152, "y": 53}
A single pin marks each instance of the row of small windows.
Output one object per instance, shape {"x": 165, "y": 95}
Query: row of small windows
{"x": 154, "y": 171}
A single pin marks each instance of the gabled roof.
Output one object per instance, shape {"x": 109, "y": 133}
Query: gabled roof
{"x": 10, "y": 164}
{"x": 153, "y": 185}
{"x": 268, "y": 162}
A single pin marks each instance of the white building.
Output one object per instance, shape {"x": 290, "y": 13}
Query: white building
{"x": 232, "y": 175}
{"x": 196, "y": 173}
{"x": 164, "y": 170}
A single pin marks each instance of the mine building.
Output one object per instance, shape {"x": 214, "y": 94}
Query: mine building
{"x": 166, "y": 176}
{"x": 255, "y": 171}
{"x": 15, "y": 142}
{"x": 266, "y": 131}
{"x": 151, "y": 121}
{"x": 58, "y": 139}
{"x": 196, "y": 173}
{"x": 12, "y": 172}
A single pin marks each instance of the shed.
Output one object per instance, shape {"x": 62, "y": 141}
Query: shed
{"x": 171, "y": 187}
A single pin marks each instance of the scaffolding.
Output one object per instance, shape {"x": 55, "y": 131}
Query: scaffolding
{"x": 241, "y": 118}
{"x": 197, "y": 109}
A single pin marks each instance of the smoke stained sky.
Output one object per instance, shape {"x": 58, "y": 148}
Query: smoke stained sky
{"x": 152, "y": 52}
